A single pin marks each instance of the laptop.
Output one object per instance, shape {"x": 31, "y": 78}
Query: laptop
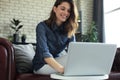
{"x": 89, "y": 59}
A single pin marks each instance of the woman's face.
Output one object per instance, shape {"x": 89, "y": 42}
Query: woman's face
{"x": 62, "y": 12}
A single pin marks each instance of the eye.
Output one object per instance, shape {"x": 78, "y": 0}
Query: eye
{"x": 65, "y": 9}
{"x": 62, "y": 8}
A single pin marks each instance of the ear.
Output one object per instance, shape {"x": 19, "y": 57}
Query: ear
{"x": 54, "y": 9}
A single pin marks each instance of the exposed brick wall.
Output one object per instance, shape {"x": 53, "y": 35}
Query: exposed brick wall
{"x": 87, "y": 14}
{"x": 31, "y": 12}
{"x": 86, "y": 8}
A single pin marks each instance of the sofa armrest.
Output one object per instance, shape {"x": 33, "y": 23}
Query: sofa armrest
{"x": 116, "y": 63}
{"x": 7, "y": 63}
{"x": 3, "y": 63}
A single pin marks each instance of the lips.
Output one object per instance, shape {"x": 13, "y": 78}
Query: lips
{"x": 64, "y": 16}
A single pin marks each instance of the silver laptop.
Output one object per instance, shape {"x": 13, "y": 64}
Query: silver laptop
{"x": 86, "y": 58}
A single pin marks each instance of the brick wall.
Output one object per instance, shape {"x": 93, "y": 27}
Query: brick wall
{"x": 31, "y": 12}
{"x": 87, "y": 14}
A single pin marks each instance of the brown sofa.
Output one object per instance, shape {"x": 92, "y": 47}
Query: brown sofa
{"x": 115, "y": 71}
{"x": 8, "y": 68}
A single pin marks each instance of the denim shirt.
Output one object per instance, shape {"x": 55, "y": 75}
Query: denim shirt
{"x": 50, "y": 42}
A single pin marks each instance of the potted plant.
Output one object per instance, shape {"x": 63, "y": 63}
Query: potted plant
{"x": 23, "y": 38}
{"x": 91, "y": 35}
{"x": 16, "y": 26}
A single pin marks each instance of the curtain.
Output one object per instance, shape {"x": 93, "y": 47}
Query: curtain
{"x": 98, "y": 17}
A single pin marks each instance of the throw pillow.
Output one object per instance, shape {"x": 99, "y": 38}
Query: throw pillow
{"x": 24, "y": 54}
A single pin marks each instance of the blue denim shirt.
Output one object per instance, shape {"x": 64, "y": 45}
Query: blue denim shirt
{"x": 50, "y": 42}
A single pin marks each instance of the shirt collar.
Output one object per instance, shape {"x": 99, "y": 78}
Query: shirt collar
{"x": 56, "y": 27}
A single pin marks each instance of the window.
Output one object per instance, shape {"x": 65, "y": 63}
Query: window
{"x": 112, "y": 21}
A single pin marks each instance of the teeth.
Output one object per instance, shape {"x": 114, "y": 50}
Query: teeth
{"x": 64, "y": 16}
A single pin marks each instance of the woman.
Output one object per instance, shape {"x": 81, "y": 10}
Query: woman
{"x": 53, "y": 36}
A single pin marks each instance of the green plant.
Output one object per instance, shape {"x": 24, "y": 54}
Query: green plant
{"x": 10, "y": 38}
{"x": 16, "y": 25}
{"x": 91, "y": 35}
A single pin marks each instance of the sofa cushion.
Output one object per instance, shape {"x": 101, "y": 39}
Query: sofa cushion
{"x": 23, "y": 56}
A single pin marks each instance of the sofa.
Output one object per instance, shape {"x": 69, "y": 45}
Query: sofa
{"x": 115, "y": 71}
{"x": 8, "y": 66}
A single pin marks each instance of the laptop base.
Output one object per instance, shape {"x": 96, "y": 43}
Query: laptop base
{"x": 62, "y": 77}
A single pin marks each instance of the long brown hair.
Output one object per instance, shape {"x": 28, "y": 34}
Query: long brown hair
{"x": 71, "y": 23}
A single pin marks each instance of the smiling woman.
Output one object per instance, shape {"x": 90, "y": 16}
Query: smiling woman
{"x": 60, "y": 14}
{"x": 53, "y": 36}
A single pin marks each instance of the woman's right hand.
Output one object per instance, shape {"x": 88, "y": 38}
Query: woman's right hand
{"x": 61, "y": 69}
{"x": 54, "y": 64}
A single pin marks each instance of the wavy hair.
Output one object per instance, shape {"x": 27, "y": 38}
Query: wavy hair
{"x": 71, "y": 23}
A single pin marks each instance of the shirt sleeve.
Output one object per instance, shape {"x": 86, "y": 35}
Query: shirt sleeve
{"x": 72, "y": 39}
{"x": 41, "y": 46}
